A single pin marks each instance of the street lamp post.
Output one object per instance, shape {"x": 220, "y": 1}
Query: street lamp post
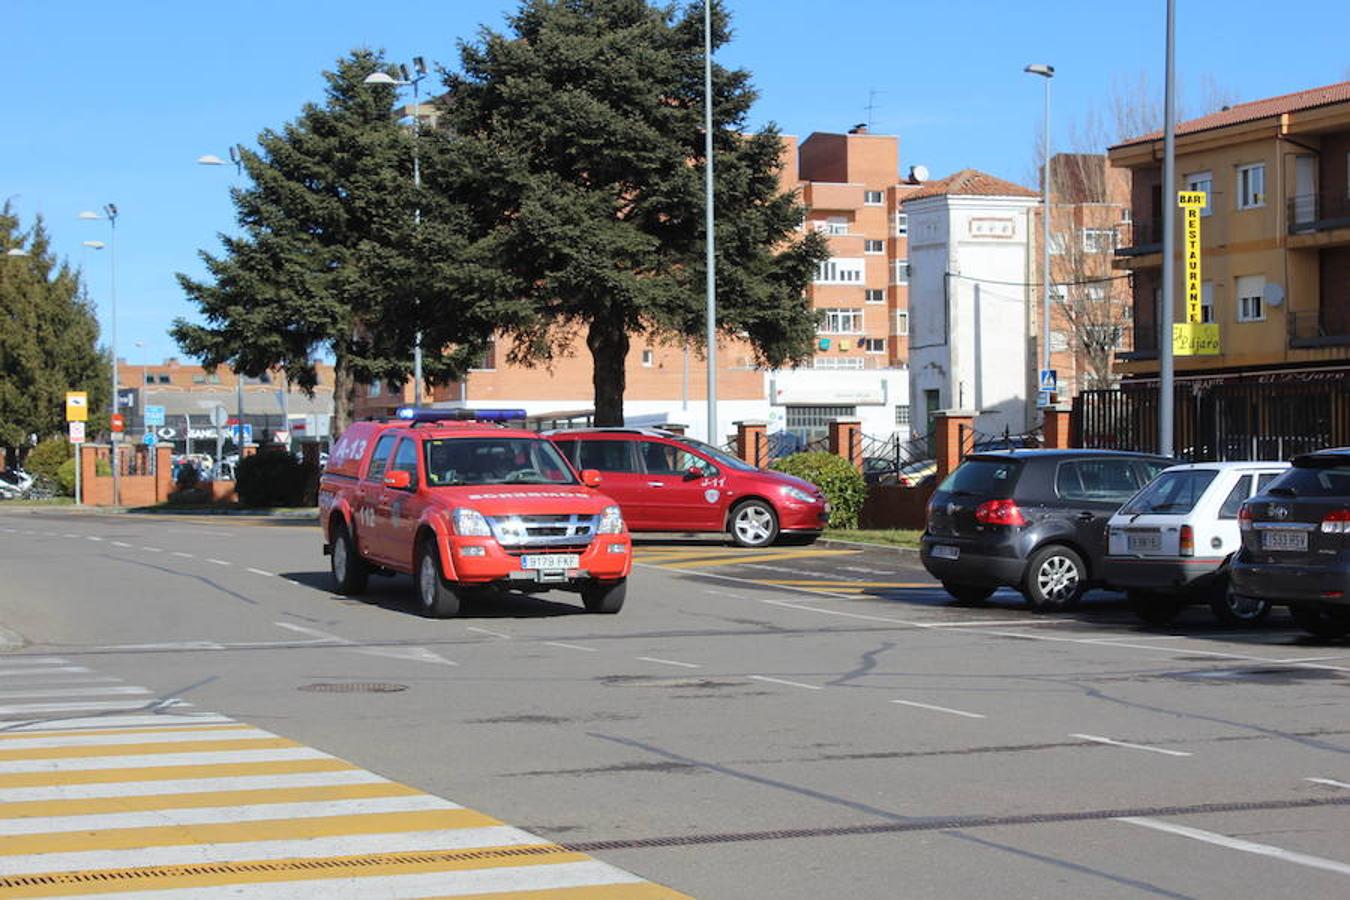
{"x": 110, "y": 213}
{"x": 1046, "y": 72}
{"x": 413, "y": 78}
{"x": 711, "y": 264}
{"x": 1169, "y": 197}
{"x": 237, "y": 160}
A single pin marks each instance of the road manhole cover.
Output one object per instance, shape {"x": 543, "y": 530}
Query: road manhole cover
{"x": 354, "y": 687}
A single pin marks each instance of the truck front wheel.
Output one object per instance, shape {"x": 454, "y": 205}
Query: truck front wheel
{"x": 604, "y": 598}
{"x": 438, "y": 599}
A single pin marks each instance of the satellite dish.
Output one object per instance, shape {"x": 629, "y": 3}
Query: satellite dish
{"x": 918, "y": 174}
{"x": 1272, "y": 294}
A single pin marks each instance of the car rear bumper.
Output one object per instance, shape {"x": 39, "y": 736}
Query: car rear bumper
{"x": 1162, "y": 574}
{"x": 469, "y": 560}
{"x": 976, "y": 564}
{"x": 1293, "y": 583}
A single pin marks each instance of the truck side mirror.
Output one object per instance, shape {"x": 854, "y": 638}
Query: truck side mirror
{"x": 398, "y": 480}
{"x": 590, "y": 477}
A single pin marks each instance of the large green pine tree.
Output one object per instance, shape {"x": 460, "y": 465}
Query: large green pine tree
{"x": 330, "y": 259}
{"x": 48, "y": 338}
{"x": 577, "y": 142}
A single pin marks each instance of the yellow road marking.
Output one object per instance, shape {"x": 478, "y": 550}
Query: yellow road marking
{"x": 850, "y": 584}
{"x": 171, "y": 773}
{"x": 740, "y": 560}
{"x": 237, "y": 832}
{"x": 78, "y": 751}
{"x": 175, "y": 729}
{"x": 92, "y": 806}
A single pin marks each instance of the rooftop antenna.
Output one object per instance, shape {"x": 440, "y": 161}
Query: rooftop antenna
{"x": 872, "y": 105}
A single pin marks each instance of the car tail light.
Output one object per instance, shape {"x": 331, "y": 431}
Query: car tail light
{"x": 1245, "y": 517}
{"x": 999, "y": 512}
{"x": 1187, "y": 540}
{"x": 1336, "y": 522}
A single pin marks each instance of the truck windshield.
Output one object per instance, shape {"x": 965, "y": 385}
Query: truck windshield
{"x": 485, "y": 460}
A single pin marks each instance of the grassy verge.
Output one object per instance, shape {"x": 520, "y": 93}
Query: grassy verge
{"x": 886, "y": 537}
{"x": 24, "y": 504}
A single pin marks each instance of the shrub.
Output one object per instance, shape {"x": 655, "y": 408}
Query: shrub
{"x": 272, "y": 478}
{"x": 842, "y": 483}
{"x": 65, "y": 475}
{"x": 46, "y": 458}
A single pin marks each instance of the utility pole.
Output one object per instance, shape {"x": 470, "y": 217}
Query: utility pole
{"x": 711, "y": 265}
{"x": 1166, "y": 395}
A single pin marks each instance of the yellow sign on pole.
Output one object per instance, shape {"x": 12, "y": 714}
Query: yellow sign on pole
{"x": 1195, "y": 339}
{"x": 77, "y": 406}
{"x": 1192, "y": 202}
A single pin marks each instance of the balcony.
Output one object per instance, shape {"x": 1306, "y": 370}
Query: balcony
{"x": 1310, "y": 330}
{"x": 1323, "y": 211}
{"x": 1146, "y": 238}
{"x": 1145, "y": 343}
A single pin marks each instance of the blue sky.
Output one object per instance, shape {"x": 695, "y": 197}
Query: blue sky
{"x": 115, "y": 101}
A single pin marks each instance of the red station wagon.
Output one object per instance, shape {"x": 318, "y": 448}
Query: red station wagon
{"x": 468, "y": 505}
{"x": 668, "y": 482}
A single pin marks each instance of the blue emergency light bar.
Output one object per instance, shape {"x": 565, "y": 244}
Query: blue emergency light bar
{"x": 415, "y": 414}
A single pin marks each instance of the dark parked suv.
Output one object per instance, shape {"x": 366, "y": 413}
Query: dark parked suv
{"x": 1030, "y": 519}
{"x": 1296, "y": 543}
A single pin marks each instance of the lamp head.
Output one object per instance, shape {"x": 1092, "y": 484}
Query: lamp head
{"x": 1041, "y": 69}
{"x": 89, "y": 214}
{"x": 419, "y": 65}
{"x": 16, "y": 251}
{"x": 94, "y": 245}
{"x": 380, "y": 78}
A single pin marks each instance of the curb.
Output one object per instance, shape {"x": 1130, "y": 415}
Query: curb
{"x": 834, "y": 542}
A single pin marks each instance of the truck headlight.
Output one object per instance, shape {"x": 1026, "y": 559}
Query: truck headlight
{"x": 798, "y": 494}
{"x": 611, "y": 521}
{"x": 470, "y": 523}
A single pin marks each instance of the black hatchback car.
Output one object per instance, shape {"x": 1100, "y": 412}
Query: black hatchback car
{"x": 1034, "y": 520}
{"x": 1296, "y": 543}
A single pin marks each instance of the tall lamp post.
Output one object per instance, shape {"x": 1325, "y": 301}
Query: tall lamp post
{"x": 413, "y": 78}
{"x": 110, "y": 213}
{"x": 1046, "y": 72}
{"x": 1169, "y": 197}
{"x": 711, "y": 264}
{"x": 236, "y": 160}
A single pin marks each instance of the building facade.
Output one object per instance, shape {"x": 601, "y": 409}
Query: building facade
{"x": 970, "y": 346}
{"x": 1275, "y": 270}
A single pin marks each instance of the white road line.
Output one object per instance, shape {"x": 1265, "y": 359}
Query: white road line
{"x": 252, "y": 812}
{"x": 1104, "y": 740}
{"x": 504, "y": 880}
{"x": 180, "y": 717}
{"x": 48, "y": 681}
{"x": 312, "y": 632}
{"x": 24, "y": 710}
{"x": 1223, "y": 840}
{"x": 345, "y": 845}
{"x": 82, "y": 691}
{"x": 191, "y": 786}
{"x": 120, "y": 544}
{"x": 1329, "y": 781}
{"x": 567, "y": 646}
{"x": 152, "y": 549}
{"x": 219, "y": 562}
{"x": 258, "y": 572}
{"x": 415, "y": 654}
{"x": 43, "y": 671}
{"x": 943, "y": 709}
{"x": 668, "y": 662}
{"x": 809, "y": 687}
{"x": 1099, "y": 642}
{"x": 75, "y": 739}
{"x": 182, "y": 554}
{"x": 71, "y": 534}
{"x": 497, "y": 634}
{"x": 160, "y": 760}
{"x": 90, "y": 537}
{"x": 33, "y": 661}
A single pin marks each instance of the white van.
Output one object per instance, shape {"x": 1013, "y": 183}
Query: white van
{"x": 1170, "y": 544}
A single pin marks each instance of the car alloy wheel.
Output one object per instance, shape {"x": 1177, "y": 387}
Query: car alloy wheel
{"x": 1058, "y": 579}
{"x": 754, "y": 524}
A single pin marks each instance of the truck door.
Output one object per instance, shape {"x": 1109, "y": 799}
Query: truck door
{"x": 372, "y": 540}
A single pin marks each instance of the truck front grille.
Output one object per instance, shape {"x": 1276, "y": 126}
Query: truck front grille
{"x": 575, "y": 530}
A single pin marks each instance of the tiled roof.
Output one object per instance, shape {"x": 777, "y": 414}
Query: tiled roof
{"x": 1258, "y": 109}
{"x": 970, "y": 183}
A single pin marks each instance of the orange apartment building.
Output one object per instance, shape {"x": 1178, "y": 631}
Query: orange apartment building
{"x": 850, "y": 186}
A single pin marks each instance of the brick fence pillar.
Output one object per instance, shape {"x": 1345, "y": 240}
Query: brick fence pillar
{"x": 948, "y": 426}
{"x": 846, "y": 440}
{"x": 1057, "y": 419}
{"x": 163, "y": 471}
{"x": 752, "y": 444}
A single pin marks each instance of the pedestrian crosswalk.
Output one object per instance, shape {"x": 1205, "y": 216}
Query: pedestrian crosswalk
{"x": 140, "y": 797}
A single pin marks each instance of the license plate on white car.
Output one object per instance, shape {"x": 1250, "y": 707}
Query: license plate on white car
{"x": 1284, "y": 540}
{"x": 942, "y": 551}
{"x": 550, "y": 561}
{"x": 1136, "y": 543}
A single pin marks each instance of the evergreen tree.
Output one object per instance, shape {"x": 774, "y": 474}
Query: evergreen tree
{"x": 48, "y": 338}
{"x": 330, "y": 259}
{"x": 577, "y": 143}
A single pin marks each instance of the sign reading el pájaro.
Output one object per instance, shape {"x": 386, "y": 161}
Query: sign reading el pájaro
{"x": 1195, "y": 339}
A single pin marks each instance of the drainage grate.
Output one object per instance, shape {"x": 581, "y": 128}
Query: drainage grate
{"x": 354, "y": 687}
{"x": 487, "y": 855}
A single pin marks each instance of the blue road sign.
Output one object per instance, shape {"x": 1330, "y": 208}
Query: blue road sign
{"x": 149, "y": 439}
{"x": 248, "y": 433}
{"x": 1049, "y": 380}
{"x": 154, "y": 416}
{"x": 1042, "y": 399}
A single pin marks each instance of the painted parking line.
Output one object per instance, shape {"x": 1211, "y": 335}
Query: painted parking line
{"x": 196, "y": 805}
{"x": 668, "y": 662}
{"x": 1223, "y": 840}
{"x": 941, "y": 709}
{"x": 740, "y": 560}
{"x": 796, "y": 684}
{"x": 1330, "y": 782}
{"x": 1097, "y": 739}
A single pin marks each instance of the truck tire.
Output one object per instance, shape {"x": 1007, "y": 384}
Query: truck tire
{"x": 350, "y": 571}
{"x": 436, "y": 598}
{"x": 605, "y": 598}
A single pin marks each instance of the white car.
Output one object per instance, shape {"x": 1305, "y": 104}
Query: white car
{"x": 1171, "y": 543}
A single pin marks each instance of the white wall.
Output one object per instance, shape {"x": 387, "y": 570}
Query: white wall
{"x": 874, "y": 394}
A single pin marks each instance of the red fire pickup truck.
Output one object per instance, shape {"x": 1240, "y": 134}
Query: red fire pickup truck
{"x": 464, "y": 506}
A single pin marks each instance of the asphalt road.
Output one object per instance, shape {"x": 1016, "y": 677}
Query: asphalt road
{"x": 797, "y": 722}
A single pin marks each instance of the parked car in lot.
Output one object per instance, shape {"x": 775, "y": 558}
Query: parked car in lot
{"x": 1296, "y": 543}
{"x": 1171, "y": 543}
{"x": 464, "y": 506}
{"x": 14, "y": 483}
{"x": 1034, "y": 520}
{"x": 668, "y": 482}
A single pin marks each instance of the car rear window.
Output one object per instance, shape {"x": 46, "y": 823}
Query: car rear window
{"x": 994, "y": 478}
{"x": 1174, "y": 493}
{"x": 1314, "y": 481}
